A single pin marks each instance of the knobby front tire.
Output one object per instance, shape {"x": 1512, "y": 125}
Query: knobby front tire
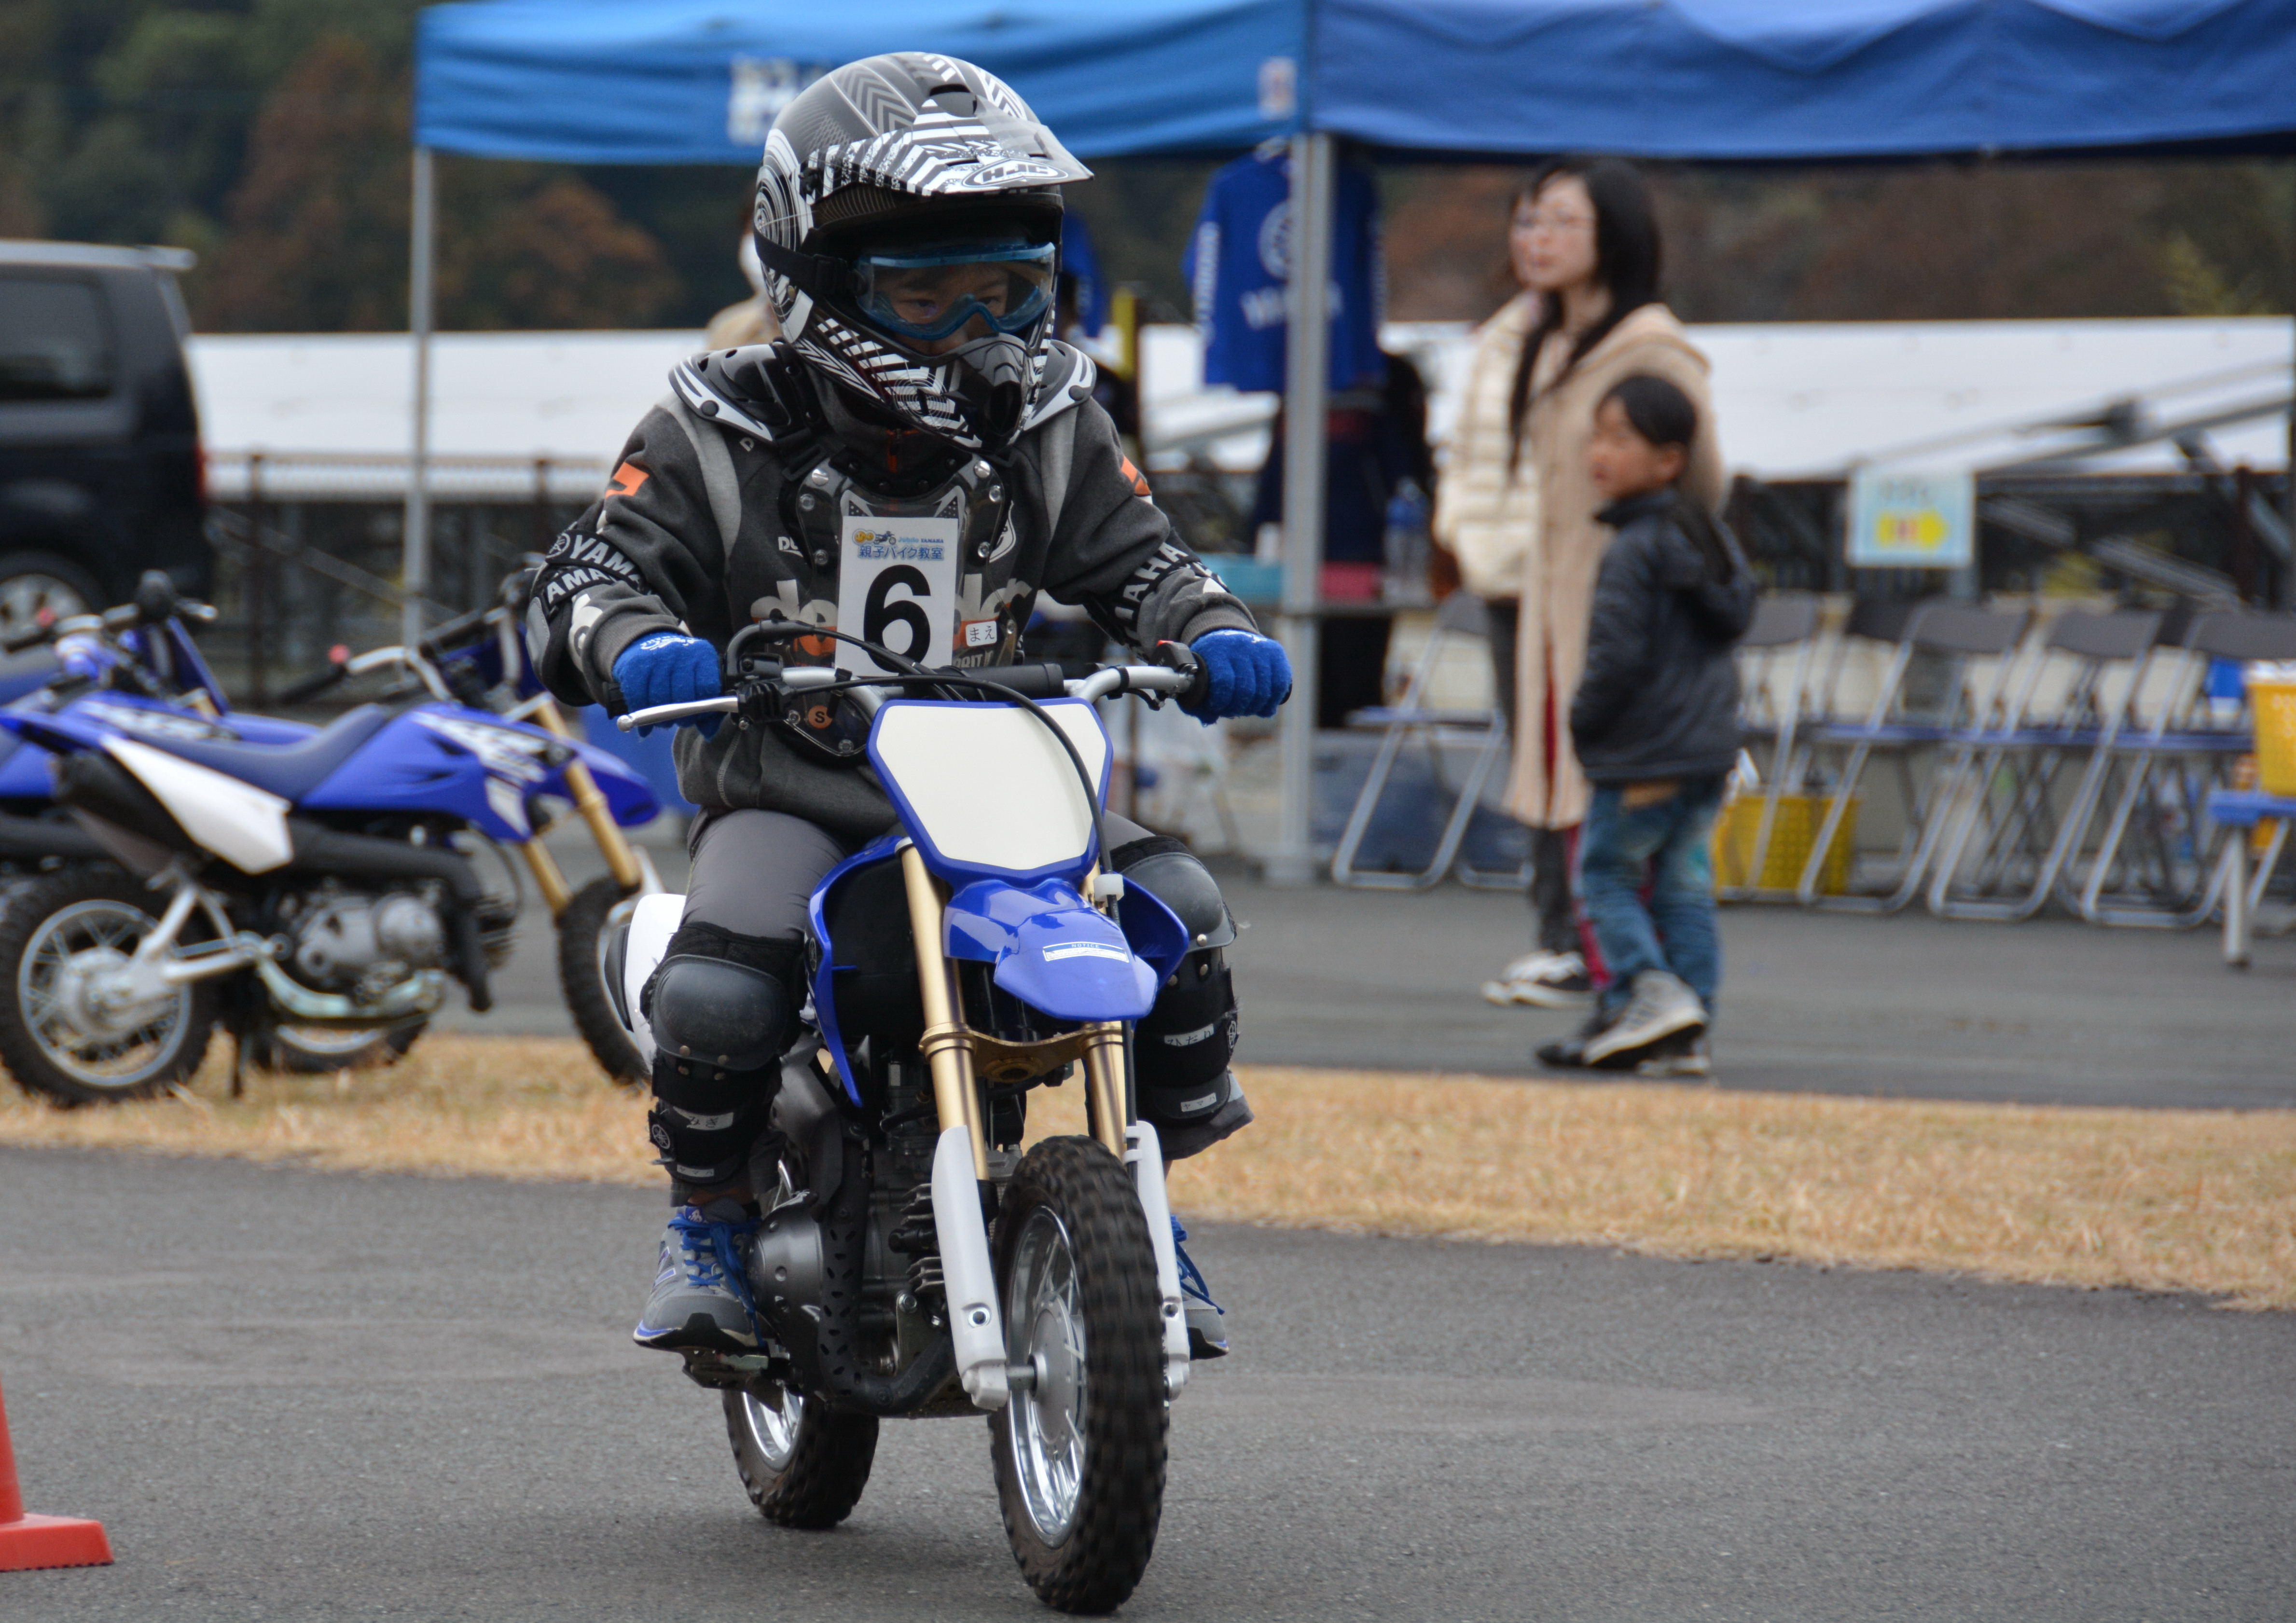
{"x": 1079, "y": 1454}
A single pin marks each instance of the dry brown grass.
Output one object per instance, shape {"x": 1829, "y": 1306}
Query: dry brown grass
{"x": 2160, "y": 1199}
{"x": 485, "y": 1107}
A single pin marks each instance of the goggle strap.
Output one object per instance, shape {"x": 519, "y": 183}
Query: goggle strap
{"x": 823, "y": 276}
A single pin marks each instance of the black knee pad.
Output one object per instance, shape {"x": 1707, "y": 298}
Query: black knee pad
{"x": 1166, "y": 869}
{"x": 1182, "y": 1049}
{"x": 720, "y": 1009}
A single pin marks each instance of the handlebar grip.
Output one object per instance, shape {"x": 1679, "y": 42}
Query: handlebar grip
{"x": 1040, "y": 680}
{"x": 318, "y": 682}
{"x": 1185, "y": 660}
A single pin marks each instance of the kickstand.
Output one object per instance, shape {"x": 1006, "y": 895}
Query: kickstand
{"x": 238, "y": 1066}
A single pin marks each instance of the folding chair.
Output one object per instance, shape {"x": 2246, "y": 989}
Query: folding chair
{"x": 2015, "y": 828}
{"x": 1777, "y": 652}
{"x": 1413, "y": 719}
{"x": 2151, "y": 870}
{"x": 1902, "y": 726}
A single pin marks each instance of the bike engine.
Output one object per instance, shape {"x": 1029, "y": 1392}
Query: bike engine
{"x": 344, "y": 941}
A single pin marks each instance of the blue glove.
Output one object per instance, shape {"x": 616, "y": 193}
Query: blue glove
{"x": 1249, "y": 674}
{"x": 668, "y": 669}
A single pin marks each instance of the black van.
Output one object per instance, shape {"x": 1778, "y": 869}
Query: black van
{"x": 99, "y": 470}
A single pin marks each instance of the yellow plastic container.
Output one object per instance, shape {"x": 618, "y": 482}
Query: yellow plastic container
{"x": 1792, "y": 834}
{"x": 2272, "y": 697}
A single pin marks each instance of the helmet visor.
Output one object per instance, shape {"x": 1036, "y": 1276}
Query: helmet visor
{"x": 934, "y": 293}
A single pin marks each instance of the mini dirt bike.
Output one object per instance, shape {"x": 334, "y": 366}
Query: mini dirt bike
{"x": 482, "y": 660}
{"x": 322, "y": 881}
{"x": 913, "y": 1261}
{"x": 152, "y": 657}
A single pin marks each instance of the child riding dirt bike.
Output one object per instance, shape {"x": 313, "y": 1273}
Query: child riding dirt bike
{"x": 910, "y": 465}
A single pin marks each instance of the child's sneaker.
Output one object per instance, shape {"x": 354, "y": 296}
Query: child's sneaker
{"x": 700, "y": 1296}
{"x": 1661, "y": 1006}
{"x": 1545, "y": 981}
{"x": 1207, "y": 1319}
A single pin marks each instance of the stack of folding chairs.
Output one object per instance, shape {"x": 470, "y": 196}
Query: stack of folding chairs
{"x": 2152, "y": 866}
{"x": 2034, "y": 783}
{"x": 1943, "y": 683}
{"x": 2067, "y": 760}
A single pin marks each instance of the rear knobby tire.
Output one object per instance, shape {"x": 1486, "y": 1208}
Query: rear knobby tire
{"x": 1079, "y": 1462}
{"x": 581, "y": 973}
{"x": 58, "y": 926}
{"x": 804, "y": 1466}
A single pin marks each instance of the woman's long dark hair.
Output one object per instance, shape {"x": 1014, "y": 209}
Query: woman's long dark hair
{"x": 1626, "y": 262}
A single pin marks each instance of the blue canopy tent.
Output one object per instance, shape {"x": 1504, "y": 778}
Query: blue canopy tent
{"x": 698, "y": 81}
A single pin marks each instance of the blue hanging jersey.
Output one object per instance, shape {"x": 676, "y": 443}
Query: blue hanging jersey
{"x": 1080, "y": 260}
{"x": 1240, "y": 258}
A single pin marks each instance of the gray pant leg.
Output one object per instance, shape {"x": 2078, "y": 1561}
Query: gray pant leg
{"x": 740, "y": 938}
{"x": 754, "y": 872}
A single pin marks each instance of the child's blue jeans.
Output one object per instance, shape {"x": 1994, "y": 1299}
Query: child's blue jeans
{"x": 1661, "y": 849}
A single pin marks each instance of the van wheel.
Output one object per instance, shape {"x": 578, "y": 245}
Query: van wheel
{"x": 30, "y": 582}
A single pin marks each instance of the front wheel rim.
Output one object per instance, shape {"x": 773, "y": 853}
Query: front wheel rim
{"x": 1045, "y": 1321}
{"x": 67, "y": 948}
{"x": 773, "y": 1426}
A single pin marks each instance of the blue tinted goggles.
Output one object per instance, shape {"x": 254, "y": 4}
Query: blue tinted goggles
{"x": 934, "y": 293}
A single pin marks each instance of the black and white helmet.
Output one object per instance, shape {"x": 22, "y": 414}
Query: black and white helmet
{"x": 908, "y": 220}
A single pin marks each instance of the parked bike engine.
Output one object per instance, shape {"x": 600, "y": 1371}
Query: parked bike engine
{"x": 342, "y": 938}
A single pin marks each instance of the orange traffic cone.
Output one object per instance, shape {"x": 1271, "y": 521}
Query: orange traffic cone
{"x": 41, "y": 1541}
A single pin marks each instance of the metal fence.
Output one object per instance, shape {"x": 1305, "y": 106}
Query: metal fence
{"x": 309, "y": 549}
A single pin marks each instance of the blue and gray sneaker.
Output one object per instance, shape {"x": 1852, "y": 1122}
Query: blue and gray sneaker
{"x": 1207, "y": 1319}
{"x": 701, "y": 1298}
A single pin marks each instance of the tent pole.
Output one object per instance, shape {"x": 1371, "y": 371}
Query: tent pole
{"x": 415, "y": 563}
{"x": 1306, "y": 394}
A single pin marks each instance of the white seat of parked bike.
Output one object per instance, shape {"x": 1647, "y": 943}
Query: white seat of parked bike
{"x": 289, "y": 771}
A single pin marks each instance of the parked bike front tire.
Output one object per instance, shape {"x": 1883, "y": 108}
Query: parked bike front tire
{"x": 804, "y": 1466}
{"x": 54, "y": 932}
{"x": 1080, "y": 1452}
{"x": 582, "y": 935}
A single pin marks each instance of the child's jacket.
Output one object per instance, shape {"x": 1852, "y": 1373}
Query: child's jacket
{"x": 1659, "y": 696}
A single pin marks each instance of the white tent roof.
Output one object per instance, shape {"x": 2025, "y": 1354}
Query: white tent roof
{"x": 328, "y": 411}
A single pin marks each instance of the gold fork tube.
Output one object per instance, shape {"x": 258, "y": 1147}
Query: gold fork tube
{"x": 548, "y": 877}
{"x": 590, "y": 802}
{"x": 947, "y": 1053}
{"x": 1103, "y": 1096}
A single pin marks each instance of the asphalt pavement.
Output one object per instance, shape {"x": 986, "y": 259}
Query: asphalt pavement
{"x": 295, "y": 1395}
{"x": 2049, "y": 1011}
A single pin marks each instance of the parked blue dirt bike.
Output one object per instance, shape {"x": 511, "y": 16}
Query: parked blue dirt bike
{"x": 979, "y": 954}
{"x": 280, "y": 879}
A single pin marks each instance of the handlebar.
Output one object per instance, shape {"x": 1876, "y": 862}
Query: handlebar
{"x": 156, "y": 601}
{"x": 343, "y": 665}
{"x": 1041, "y": 681}
{"x": 337, "y": 669}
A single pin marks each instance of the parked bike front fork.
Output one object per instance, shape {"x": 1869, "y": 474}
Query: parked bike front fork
{"x": 590, "y": 804}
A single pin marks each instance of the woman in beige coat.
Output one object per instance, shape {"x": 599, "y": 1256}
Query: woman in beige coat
{"x": 1587, "y": 244}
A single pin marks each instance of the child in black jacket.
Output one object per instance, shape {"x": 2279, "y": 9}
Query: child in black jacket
{"x": 1656, "y": 725}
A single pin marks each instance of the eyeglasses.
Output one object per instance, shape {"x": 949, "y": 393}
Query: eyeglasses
{"x": 1539, "y": 220}
{"x": 933, "y": 293}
